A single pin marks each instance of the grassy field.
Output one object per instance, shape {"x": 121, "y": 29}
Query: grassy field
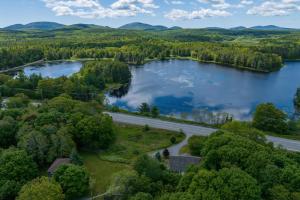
{"x": 101, "y": 171}
{"x": 131, "y": 142}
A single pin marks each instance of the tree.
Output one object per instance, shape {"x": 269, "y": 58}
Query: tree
{"x": 16, "y": 168}
{"x": 279, "y": 192}
{"x": 158, "y": 156}
{"x": 246, "y": 130}
{"x": 227, "y": 184}
{"x": 154, "y": 112}
{"x": 8, "y": 128}
{"x": 166, "y": 153}
{"x": 73, "y": 179}
{"x": 35, "y": 144}
{"x": 95, "y": 132}
{"x": 144, "y": 108}
{"x": 41, "y": 188}
{"x": 268, "y": 118}
{"x": 75, "y": 158}
{"x": 62, "y": 145}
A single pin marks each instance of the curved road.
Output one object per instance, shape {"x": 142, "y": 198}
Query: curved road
{"x": 190, "y": 130}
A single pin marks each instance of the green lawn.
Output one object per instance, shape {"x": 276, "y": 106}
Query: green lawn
{"x": 101, "y": 171}
{"x": 131, "y": 142}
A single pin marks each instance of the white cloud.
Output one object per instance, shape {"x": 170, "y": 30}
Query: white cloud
{"x": 275, "y": 8}
{"x": 212, "y": 1}
{"x": 93, "y": 8}
{"x": 246, "y": 2}
{"x": 177, "y": 2}
{"x": 221, "y": 4}
{"x": 177, "y": 14}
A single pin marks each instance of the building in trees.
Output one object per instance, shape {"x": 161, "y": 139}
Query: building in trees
{"x": 57, "y": 163}
{"x": 181, "y": 163}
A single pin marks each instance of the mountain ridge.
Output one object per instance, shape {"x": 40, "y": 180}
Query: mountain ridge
{"x": 44, "y": 25}
{"x": 142, "y": 26}
{"x": 35, "y": 25}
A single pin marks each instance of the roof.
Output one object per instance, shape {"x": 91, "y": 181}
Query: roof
{"x": 57, "y": 163}
{"x": 181, "y": 163}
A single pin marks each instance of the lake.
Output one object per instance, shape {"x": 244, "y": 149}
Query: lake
{"x": 184, "y": 88}
{"x": 54, "y": 69}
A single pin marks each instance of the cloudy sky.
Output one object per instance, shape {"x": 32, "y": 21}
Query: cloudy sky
{"x": 185, "y": 13}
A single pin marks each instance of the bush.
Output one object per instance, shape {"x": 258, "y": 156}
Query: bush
{"x": 195, "y": 144}
{"x": 148, "y": 167}
{"x": 146, "y": 128}
{"x": 173, "y": 140}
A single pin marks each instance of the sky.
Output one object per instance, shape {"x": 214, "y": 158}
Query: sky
{"x": 184, "y": 13}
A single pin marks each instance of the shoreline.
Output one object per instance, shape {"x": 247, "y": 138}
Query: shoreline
{"x": 147, "y": 61}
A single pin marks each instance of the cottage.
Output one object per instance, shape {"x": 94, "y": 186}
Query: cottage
{"x": 57, "y": 163}
{"x": 181, "y": 163}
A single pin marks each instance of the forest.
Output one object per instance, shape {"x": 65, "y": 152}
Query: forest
{"x": 263, "y": 51}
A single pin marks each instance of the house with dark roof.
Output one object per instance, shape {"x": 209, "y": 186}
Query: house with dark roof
{"x": 57, "y": 163}
{"x": 181, "y": 163}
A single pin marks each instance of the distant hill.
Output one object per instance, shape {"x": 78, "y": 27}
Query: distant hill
{"x": 175, "y": 28}
{"x": 142, "y": 26}
{"x": 238, "y": 28}
{"x": 131, "y": 26}
{"x": 84, "y": 26}
{"x": 269, "y": 28}
{"x": 35, "y": 25}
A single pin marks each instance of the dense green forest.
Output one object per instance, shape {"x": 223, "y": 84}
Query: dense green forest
{"x": 254, "y": 50}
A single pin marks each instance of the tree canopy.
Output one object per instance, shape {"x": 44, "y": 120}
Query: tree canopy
{"x": 41, "y": 188}
{"x": 73, "y": 179}
{"x": 268, "y": 118}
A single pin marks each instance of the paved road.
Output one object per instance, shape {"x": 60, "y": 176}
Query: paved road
{"x": 190, "y": 130}
{"x": 291, "y": 145}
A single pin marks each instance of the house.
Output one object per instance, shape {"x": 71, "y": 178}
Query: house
{"x": 181, "y": 163}
{"x": 57, "y": 163}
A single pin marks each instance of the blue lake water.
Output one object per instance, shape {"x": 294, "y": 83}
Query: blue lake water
{"x": 183, "y": 87}
{"x": 54, "y": 69}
